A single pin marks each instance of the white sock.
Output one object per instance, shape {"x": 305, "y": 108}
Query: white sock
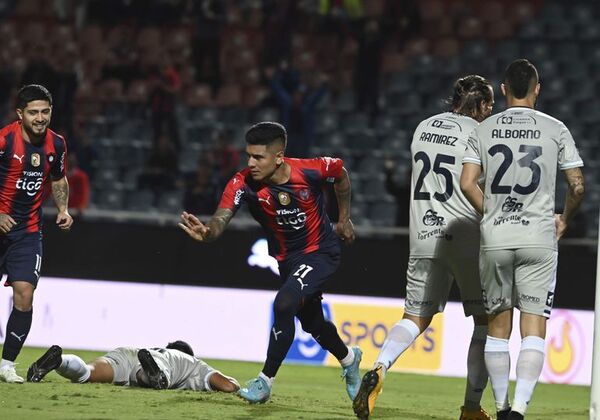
{"x": 529, "y": 368}
{"x": 400, "y": 337}
{"x": 497, "y": 362}
{"x": 477, "y": 375}
{"x": 349, "y": 359}
{"x": 74, "y": 368}
{"x": 7, "y": 363}
{"x": 268, "y": 380}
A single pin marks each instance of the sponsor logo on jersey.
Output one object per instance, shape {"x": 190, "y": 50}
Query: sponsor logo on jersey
{"x": 294, "y": 218}
{"x": 284, "y": 198}
{"x": 31, "y": 186}
{"x": 444, "y": 124}
{"x": 438, "y": 233}
{"x": 516, "y": 118}
{"x": 238, "y": 196}
{"x": 431, "y": 218}
{"x": 511, "y": 205}
{"x": 513, "y": 219}
{"x": 35, "y": 159}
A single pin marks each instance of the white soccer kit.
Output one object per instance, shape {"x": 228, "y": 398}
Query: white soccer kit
{"x": 519, "y": 151}
{"x": 182, "y": 370}
{"x": 444, "y": 227}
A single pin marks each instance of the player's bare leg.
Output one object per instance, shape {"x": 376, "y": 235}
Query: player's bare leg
{"x": 477, "y": 375}
{"x": 17, "y": 329}
{"x": 101, "y": 372}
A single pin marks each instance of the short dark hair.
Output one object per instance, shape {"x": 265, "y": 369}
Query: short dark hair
{"x": 469, "y": 92}
{"x": 30, "y": 93}
{"x": 181, "y": 346}
{"x": 266, "y": 133}
{"x": 520, "y": 77}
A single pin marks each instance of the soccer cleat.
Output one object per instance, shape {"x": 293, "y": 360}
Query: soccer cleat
{"x": 256, "y": 391}
{"x": 513, "y": 415}
{"x": 45, "y": 364}
{"x": 503, "y": 415}
{"x": 156, "y": 377}
{"x": 478, "y": 414}
{"x": 352, "y": 374}
{"x": 9, "y": 374}
{"x": 369, "y": 390}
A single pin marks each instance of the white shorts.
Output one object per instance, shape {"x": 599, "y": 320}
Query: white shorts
{"x": 523, "y": 278}
{"x": 429, "y": 281}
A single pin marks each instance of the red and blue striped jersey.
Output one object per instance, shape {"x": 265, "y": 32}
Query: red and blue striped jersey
{"x": 24, "y": 168}
{"x": 293, "y": 214}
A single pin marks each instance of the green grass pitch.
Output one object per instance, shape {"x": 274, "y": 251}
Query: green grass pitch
{"x": 300, "y": 392}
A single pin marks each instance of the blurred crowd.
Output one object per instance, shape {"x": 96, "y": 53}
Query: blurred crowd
{"x": 150, "y": 59}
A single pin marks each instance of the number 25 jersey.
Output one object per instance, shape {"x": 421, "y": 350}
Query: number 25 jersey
{"x": 519, "y": 151}
{"x": 442, "y": 222}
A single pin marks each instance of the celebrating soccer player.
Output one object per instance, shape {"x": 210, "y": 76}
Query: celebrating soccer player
{"x": 444, "y": 244}
{"x": 29, "y": 153}
{"x": 518, "y": 152}
{"x": 286, "y": 197}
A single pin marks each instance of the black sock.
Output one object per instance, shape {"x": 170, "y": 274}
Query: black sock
{"x": 17, "y": 328}
{"x": 330, "y": 340}
{"x": 285, "y": 307}
{"x": 322, "y": 330}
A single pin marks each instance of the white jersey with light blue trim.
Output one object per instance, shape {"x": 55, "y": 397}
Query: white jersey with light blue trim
{"x": 519, "y": 151}
{"x": 441, "y": 218}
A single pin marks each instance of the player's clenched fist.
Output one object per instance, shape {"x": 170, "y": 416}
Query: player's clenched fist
{"x": 6, "y": 223}
{"x": 194, "y": 227}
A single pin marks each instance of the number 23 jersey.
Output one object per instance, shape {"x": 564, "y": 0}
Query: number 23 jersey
{"x": 519, "y": 151}
{"x": 442, "y": 221}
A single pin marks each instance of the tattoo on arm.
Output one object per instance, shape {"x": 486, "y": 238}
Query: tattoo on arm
{"x": 219, "y": 222}
{"x": 575, "y": 192}
{"x": 60, "y": 192}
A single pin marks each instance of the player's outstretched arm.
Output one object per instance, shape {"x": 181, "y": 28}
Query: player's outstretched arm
{"x": 469, "y": 185}
{"x": 206, "y": 232}
{"x": 60, "y": 192}
{"x": 344, "y": 227}
{"x": 574, "y": 198}
{"x": 219, "y": 382}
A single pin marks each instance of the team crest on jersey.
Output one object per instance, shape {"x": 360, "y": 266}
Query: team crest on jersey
{"x": 35, "y": 159}
{"x": 304, "y": 194}
{"x": 284, "y": 198}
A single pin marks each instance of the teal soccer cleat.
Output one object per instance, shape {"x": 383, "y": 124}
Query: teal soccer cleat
{"x": 352, "y": 375}
{"x": 256, "y": 391}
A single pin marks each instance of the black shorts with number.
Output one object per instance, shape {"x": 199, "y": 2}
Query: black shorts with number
{"x": 21, "y": 257}
{"x": 307, "y": 273}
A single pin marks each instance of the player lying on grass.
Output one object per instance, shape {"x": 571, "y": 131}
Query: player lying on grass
{"x": 173, "y": 367}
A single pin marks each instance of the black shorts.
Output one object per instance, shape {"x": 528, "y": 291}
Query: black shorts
{"x": 21, "y": 258}
{"x": 309, "y": 272}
